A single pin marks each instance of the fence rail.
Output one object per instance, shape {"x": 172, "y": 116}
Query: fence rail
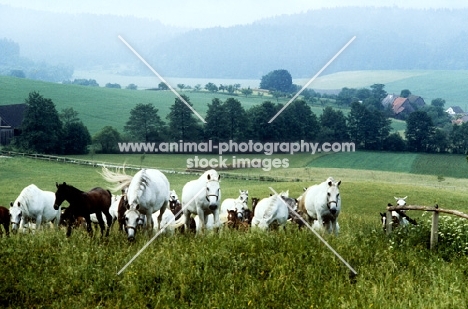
{"x": 435, "y": 218}
{"x": 93, "y": 163}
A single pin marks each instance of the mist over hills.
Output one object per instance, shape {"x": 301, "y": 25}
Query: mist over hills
{"x": 386, "y": 38}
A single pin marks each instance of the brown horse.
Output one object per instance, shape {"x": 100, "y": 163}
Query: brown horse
{"x": 82, "y": 204}
{"x": 5, "y": 220}
{"x": 232, "y": 219}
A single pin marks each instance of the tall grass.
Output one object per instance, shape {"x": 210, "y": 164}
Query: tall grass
{"x": 238, "y": 269}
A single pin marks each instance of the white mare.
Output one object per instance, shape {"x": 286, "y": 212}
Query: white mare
{"x": 272, "y": 209}
{"x": 33, "y": 204}
{"x": 322, "y": 203}
{"x": 201, "y": 197}
{"x": 148, "y": 191}
{"x": 238, "y": 204}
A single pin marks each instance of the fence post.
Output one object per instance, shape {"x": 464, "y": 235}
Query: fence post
{"x": 388, "y": 222}
{"x": 434, "y": 228}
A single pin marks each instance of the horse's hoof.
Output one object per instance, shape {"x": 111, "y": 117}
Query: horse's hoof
{"x": 131, "y": 239}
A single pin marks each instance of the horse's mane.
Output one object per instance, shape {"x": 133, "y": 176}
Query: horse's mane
{"x": 119, "y": 179}
{"x": 141, "y": 183}
{"x": 269, "y": 211}
{"x": 25, "y": 197}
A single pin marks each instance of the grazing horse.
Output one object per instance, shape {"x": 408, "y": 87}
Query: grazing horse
{"x": 201, "y": 197}
{"x": 133, "y": 218}
{"x": 5, "y": 220}
{"x": 148, "y": 191}
{"x": 33, "y": 204}
{"x": 271, "y": 209}
{"x": 83, "y": 204}
{"x": 322, "y": 203}
{"x": 113, "y": 210}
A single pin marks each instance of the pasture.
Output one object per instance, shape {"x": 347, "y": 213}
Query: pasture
{"x": 97, "y": 105}
{"x": 238, "y": 269}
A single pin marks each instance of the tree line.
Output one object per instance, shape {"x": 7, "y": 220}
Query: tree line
{"x": 367, "y": 124}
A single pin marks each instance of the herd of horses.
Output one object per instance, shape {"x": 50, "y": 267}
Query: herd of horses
{"x": 146, "y": 202}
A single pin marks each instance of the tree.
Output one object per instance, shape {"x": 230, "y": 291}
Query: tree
{"x": 113, "y": 85}
{"x": 68, "y": 115}
{"x": 144, "y": 123}
{"x": 235, "y": 118}
{"x": 181, "y": 86}
{"x": 107, "y": 139}
{"x": 163, "y": 86}
{"x": 438, "y": 103}
{"x": 333, "y": 125}
{"x": 41, "y": 127}
{"x": 76, "y": 138}
{"x": 347, "y": 96}
{"x": 378, "y": 91}
{"x": 405, "y": 93}
{"x": 368, "y": 128}
{"x": 211, "y": 87}
{"x": 394, "y": 142}
{"x": 132, "y": 87}
{"x": 215, "y": 127}
{"x": 246, "y": 91}
{"x": 183, "y": 124}
{"x": 419, "y": 131}
{"x": 259, "y": 128}
{"x": 277, "y": 80}
{"x": 459, "y": 138}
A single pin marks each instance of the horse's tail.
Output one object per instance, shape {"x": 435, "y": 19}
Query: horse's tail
{"x": 120, "y": 180}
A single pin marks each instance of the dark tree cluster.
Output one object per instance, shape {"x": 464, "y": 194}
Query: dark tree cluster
{"x": 44, "y": 130}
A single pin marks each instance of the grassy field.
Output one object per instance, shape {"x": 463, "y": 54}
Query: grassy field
{"x": 98, "y": 107}
{"x": 238, "y": 269}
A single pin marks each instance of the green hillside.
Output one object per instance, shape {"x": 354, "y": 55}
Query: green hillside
{"x": 444, "y": 165}
{"x": 98, "y": 107}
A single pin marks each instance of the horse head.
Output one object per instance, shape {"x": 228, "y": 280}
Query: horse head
{"x": 213, "y": 190}
{"x": 15, "y": 216}
{"x": 61, "y": 194}
{"x": 401, "y": 201}
{"x": 132, "y": 220}
{"x": 333, "y": 196}
{"x": 244, "y": 196}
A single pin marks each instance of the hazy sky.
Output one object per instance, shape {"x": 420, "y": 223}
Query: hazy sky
{"x": 211, "y": 13}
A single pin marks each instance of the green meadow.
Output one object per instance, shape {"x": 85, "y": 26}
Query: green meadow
{"x": 99, "y": 106}
{"x": 287, "y": 268}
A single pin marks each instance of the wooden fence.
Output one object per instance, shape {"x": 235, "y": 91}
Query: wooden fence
{"x": 435, "y": 218}
{"x": 183, "y": 171}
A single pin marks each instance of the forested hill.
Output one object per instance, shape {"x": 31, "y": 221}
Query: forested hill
{"x": 386, "y": 38}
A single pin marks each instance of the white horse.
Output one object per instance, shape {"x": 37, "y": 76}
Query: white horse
{"x": 322, "y": 203}
{"x": 238, "y": 204}
{"x": 201, "y": 197}
{"x": 33, "y": 204}
{"x": 399, "y": 218}
{"x": 271, "y": 209}
{"x": 133, "y": 218}
{"x": 148, "y": 191}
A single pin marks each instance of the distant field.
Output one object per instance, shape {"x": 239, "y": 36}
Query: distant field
{"x": 98, "y": 107}
{"x": 445, "y": 165}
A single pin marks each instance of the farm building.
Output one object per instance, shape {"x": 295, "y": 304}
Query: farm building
{"x": 454, "y": 110}
{"x": 11, "y": 117}
{"x": 402, "y": 107}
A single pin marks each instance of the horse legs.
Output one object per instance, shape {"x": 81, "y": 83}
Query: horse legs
{"x": 110, "y": 221}
{"x": 38, "y": 222}
{"x": 89, "y": 228}
{"x": 101, "y": 222}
